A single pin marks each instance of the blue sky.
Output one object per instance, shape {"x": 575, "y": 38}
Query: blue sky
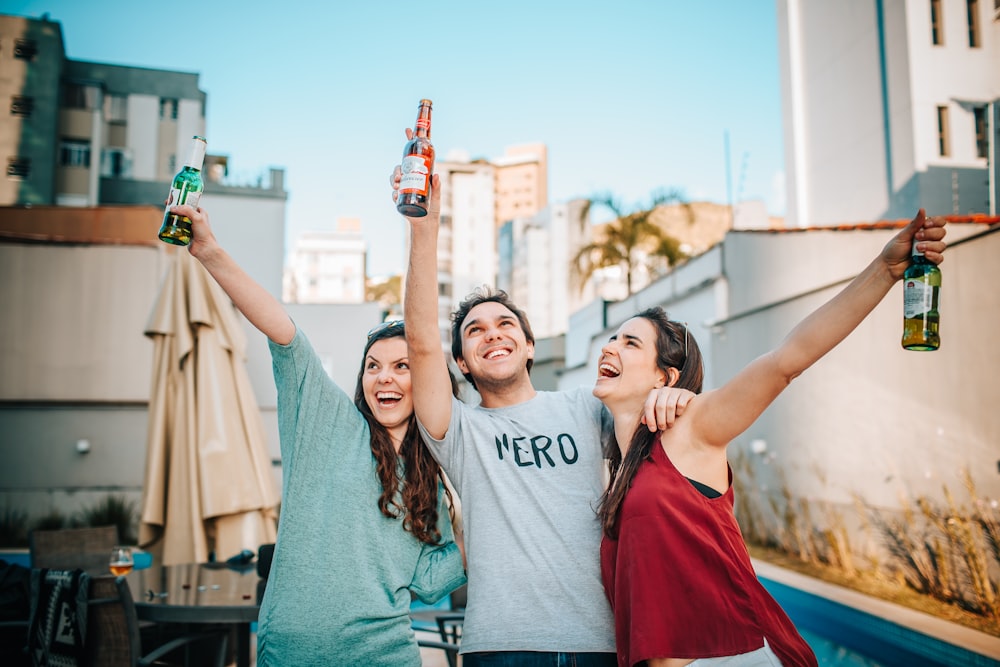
{"x": 630, "y": 96}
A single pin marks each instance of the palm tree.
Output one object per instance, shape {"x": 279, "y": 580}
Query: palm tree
{"x": 632, "y": 240}
{"x": 388, "y": 292}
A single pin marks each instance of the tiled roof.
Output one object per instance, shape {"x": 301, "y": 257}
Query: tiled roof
{"x": 974, "y": 219}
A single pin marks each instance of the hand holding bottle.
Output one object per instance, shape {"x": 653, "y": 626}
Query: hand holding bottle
{"x": 434, "y": 203}
{"x": 186, "y": 188}
{"x": 921, "y": 280}
{"x": 416, "y": 186}
{"x": 203, "y": 240}
{"x": 927, "y": 232}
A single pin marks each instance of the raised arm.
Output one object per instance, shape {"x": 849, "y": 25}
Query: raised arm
{"x": 428, "y": 366}
{"x": 728, "y": 411}
{"x": 258, "y": 305}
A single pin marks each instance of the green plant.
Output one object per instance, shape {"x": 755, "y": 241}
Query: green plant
{"x": 945, "y": 551}
{"x": 113, "y": 510}
{"x": 54, "y": 520}
{"x": 13, "y": 528}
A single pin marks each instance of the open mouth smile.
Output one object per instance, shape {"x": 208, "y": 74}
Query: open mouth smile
{"x": 388, "y": 399}
{"x": 606, "y": 370}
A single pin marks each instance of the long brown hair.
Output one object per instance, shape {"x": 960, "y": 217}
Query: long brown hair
{"x": 417, "y": 500}
{"x": 675, "y": 348}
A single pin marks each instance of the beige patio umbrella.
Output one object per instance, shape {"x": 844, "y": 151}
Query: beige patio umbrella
{"x": 208, "y": 483}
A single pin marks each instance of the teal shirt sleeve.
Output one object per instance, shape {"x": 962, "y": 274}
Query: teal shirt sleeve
{"x": 439, "y": 568}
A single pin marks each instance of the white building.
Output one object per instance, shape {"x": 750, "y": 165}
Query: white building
{"x": 889, "y": 106}
{"x": 467, "y": 251}
{"x": 328, "y": 267}
{"x": 535, "y": 256}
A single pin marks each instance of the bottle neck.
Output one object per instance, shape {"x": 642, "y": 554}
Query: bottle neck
{"x": 196, "y": 157}
{"x": 422, "y": 128}
{"x": 916, "y": 256}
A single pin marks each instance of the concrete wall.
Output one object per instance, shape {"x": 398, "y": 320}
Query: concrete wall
{"x": 869, "y": 420}
{"x": 76, "y": 364}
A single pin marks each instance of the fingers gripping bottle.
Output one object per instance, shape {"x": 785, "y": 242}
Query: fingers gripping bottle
{"x": 185, "y": 189}
{"x": 921, "y": 284}
{"x": 418, "y": 166}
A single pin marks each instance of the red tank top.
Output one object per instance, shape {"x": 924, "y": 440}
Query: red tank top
{"x": 680, "y": 580}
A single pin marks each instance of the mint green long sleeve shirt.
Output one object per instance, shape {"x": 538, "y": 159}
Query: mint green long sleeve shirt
{"x": 340, "y": 585}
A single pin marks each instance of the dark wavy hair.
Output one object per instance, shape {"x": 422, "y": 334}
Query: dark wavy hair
{"x": 675, "y": 348}
{"x": 485, "y": 294}
{"x": 414, "y": 496}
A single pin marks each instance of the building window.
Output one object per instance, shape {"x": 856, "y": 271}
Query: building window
{"x": 78, "y": 96}
{"x": 942, "y": 121}
{"x": 115, "y": 163}
{"x": 972, "y": 11}
{"x": 115, "y": 108}
{"x": 937, "y": 25}
{"x": 982, "y": 148}
{"x": 74, "y": 153}
{"x": 21, "y": 105}
{"x": 168, "y": 108}
{"x": 18, "y": 167}
{"x": 25, "y": 49}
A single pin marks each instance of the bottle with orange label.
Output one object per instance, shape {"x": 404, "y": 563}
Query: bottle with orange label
{"x": 417, "y": 166}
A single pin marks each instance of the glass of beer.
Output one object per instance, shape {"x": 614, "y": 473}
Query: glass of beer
{"x": 121, "y": 561}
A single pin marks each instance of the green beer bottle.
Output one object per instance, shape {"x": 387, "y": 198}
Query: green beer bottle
{"x": 186, "y": 189}
{"x": 921, "y": 283}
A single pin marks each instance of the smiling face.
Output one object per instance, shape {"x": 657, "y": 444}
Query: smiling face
{"x": 627, "y": 370}
{"x": 495, "y": 350}
{"x": 385, "y": 380}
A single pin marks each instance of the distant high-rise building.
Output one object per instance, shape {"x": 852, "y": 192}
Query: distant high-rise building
{"x": 521, "y": 182}
{"x": 889, "y": 106}
{"x": 477, "y": 196}
{"x": 328, "y": 267}
{"x": 467, "y": 256}
{"x": 535, "y": 260}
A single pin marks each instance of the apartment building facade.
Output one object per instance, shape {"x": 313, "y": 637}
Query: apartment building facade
{"x": 328, "y": 266}
{"x": 889, "y": 106}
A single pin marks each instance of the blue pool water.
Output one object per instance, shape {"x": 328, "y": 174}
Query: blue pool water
{"x": 829, "y": 652}
{"x": 842, "y": 635}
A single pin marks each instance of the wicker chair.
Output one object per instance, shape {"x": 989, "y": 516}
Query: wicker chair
{"x": 113, "y": 632}
{"x": 73, "y": 548}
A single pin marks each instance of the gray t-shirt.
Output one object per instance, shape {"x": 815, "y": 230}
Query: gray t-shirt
{"x": 530, "y": 477}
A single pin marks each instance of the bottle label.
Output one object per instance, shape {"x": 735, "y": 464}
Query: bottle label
{"x": 416, "y": 175}
{"x": 918, "y": 297}
{"x": 183, "y": 195}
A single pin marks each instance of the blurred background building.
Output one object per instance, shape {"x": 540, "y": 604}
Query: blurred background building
{"x": 889, "y": 106}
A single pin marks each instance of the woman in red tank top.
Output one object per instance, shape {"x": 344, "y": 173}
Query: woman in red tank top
{"x": 674, "y": 564}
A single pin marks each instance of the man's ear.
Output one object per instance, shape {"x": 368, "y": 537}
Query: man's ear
{"x": 460, "y": 362}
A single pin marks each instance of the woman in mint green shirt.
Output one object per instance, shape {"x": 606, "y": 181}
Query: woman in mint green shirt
{"x": 365, "y": 517}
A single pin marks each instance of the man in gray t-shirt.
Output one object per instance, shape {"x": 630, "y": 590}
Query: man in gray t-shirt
{"x": 527, "y": 465}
